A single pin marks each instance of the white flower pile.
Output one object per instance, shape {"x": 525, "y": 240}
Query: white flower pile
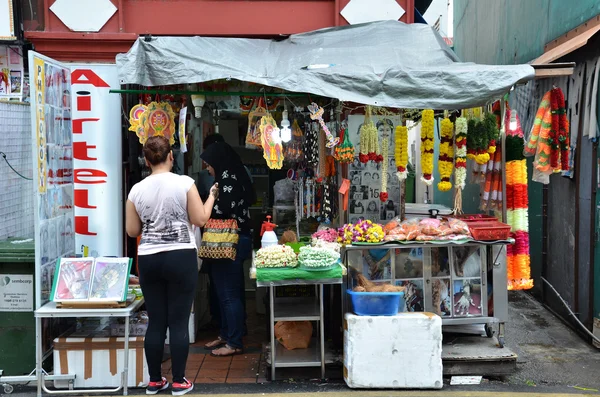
{"x": 276, "y": 256}
{"x": 315, "y": 257}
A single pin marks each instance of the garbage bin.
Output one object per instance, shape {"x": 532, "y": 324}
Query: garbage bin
{"x": 17, "y": 293}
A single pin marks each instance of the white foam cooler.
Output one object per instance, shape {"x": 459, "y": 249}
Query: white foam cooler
{"x": 393, "y": 352}
{"x": 98, "y": 362}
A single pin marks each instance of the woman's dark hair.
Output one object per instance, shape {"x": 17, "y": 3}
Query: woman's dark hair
{"x": 156, "y": 149}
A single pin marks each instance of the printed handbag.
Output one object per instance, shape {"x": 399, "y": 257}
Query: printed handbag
{"x": 219, "y": 239}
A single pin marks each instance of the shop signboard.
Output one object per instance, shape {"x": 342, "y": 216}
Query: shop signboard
{"x": 50, "y": 83}
{"x": 16, "y": 292}
{"x": 97, "y": 160}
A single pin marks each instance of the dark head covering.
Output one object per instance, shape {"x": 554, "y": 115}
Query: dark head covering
{"x": 222, "y": 157}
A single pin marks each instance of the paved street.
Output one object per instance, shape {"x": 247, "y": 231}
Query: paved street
{"x": 553, "y": 361}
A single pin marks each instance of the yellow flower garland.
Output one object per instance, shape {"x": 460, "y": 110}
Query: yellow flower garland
{"x": 427, "y": 147}
{"x": 446, "y": 156}
{"x": 401, "y": 152}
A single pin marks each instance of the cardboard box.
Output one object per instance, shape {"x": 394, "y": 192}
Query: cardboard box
{"x": 98, "y": 362}
{"x": 393, "y": 352}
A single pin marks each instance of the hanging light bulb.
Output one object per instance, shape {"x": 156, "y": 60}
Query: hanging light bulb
{"x": 198, "y": 101}
{"x": 512, "y": 126}
{"x": 286, "y": 132}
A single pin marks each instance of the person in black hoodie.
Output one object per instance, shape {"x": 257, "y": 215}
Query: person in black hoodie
{"x": 236, "y": 194}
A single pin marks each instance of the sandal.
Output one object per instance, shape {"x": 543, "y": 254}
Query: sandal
{"x": 230, "y": 351}
{"x": 214, "y": 344}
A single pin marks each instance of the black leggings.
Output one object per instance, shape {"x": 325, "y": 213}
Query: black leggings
{"x": 168, "y": 280}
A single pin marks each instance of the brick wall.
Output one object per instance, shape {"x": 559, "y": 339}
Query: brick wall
{"x": 16, "y": 193}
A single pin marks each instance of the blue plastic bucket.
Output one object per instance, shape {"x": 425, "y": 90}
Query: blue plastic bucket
{"x": 375, "y": 303}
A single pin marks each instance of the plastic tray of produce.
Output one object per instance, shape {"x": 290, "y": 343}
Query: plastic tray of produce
{"x": 489, "y": 230}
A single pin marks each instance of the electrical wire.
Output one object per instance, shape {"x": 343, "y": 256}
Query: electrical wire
{"x": 11, "y": 167}
{"x": 571, "y": 311}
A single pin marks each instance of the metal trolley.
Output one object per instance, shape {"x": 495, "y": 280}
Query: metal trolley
{"x": 464, "y": 283}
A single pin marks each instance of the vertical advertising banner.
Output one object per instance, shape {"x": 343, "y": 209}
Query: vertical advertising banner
{"x": 98, "y": 165}
{"x": 53, "y": 168}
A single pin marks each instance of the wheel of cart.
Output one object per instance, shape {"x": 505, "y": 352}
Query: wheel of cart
{"x": 489, "y": 330}
{"x": 501, "y": 335}
{"x": 8, "y": 388}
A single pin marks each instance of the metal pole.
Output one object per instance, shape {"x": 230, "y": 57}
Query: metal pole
{"x": 503, "y": 138}
{"x": 211, "y": 93}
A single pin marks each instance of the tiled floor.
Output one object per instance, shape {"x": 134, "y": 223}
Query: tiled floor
{"x": 244, "y": 368}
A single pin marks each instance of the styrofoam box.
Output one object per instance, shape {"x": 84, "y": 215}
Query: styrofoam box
{"x": 393, "y": 352}
{"x": 99, "y": 362}
{"x": 191, "y": 329}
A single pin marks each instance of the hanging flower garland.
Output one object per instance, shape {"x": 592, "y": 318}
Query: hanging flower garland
{"x": 446, "y": 156}
{"x": 385, "y": 150}
{"x": 559, "y": 132}
{"x": 369, "y": 140}
{"x": 540, "y": 142}
{"x": 491, "y": 126}
{"x": 471, "y": 149}
{"x": 460, "y": 159}
{"x": 427, "y": 147}
{"x": 518, "y": 259}
{"x": 401, "y": 152}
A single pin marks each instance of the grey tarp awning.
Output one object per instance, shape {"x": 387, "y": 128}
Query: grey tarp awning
{"x": 382, "y": 63}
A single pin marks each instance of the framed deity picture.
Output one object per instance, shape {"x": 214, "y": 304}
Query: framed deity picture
{"x": 110, "y": 280}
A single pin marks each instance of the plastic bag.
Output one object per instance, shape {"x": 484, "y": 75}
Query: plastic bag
{"x": 430, "y": 226}
{"x": 294, "y": 334}
{"x": 284, "y": 191}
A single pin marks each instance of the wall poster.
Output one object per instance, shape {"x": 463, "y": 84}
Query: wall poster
{"x": 11, "y": 73}
{"x": 53, "y": 174}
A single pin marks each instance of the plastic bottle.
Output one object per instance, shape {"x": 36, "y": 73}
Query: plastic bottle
{"x": 269, "y": 237}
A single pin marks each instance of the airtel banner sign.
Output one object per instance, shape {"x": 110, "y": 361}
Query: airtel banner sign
{"x": 97, "y": 160}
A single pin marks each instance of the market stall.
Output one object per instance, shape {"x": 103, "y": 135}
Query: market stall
{"x": 350, "y": 152}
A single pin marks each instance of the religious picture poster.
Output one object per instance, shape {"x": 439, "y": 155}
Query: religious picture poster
{"x": 413, "y": 299}
{"x": 467, "y": 297}
{"x": 110, "y": 280}
{"x": 11, "y": 73}
{"x": 72, "y": 279}
{"x": 365, "y": 178}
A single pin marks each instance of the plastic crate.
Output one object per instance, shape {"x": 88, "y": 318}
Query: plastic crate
{"x": 470, "y": 218}
{"x": 375, "y": 303}
{"x": 489, "y": 230}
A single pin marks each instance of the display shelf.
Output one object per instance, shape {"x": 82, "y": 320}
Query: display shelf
{"x": 434, "y": 286}
{"x": 309, "y": 357}
{"x": 292, "y": 309}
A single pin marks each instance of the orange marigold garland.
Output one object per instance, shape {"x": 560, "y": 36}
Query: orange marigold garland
{"x": 518, "y": 259}
{"x": 427, "y": 147}
{"x": 446, "y": 156}
{"x": 401, "y": 152}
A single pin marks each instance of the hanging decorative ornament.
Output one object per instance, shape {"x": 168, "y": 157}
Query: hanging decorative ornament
{"x": 385, "y": 150}
{"x": 316, "y": 113}
{"x": 344, "y": 153}
{"x": 157, "y": 119}
{"x": 446, "y": 156}
{"x": 471, "y": 149}
{"x": 134, "y": 116}
{"x": 401, "y": 152}
{"x": 271, "y": 142}
{"x": 311, "y": 144}
{"x": 427, "y": 147}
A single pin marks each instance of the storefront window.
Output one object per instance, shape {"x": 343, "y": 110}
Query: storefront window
{"x": 32, "y": 12}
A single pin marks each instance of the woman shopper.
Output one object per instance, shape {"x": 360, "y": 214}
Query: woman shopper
{"x": 236, "y": 194}
{"x": 162, "y": 208}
